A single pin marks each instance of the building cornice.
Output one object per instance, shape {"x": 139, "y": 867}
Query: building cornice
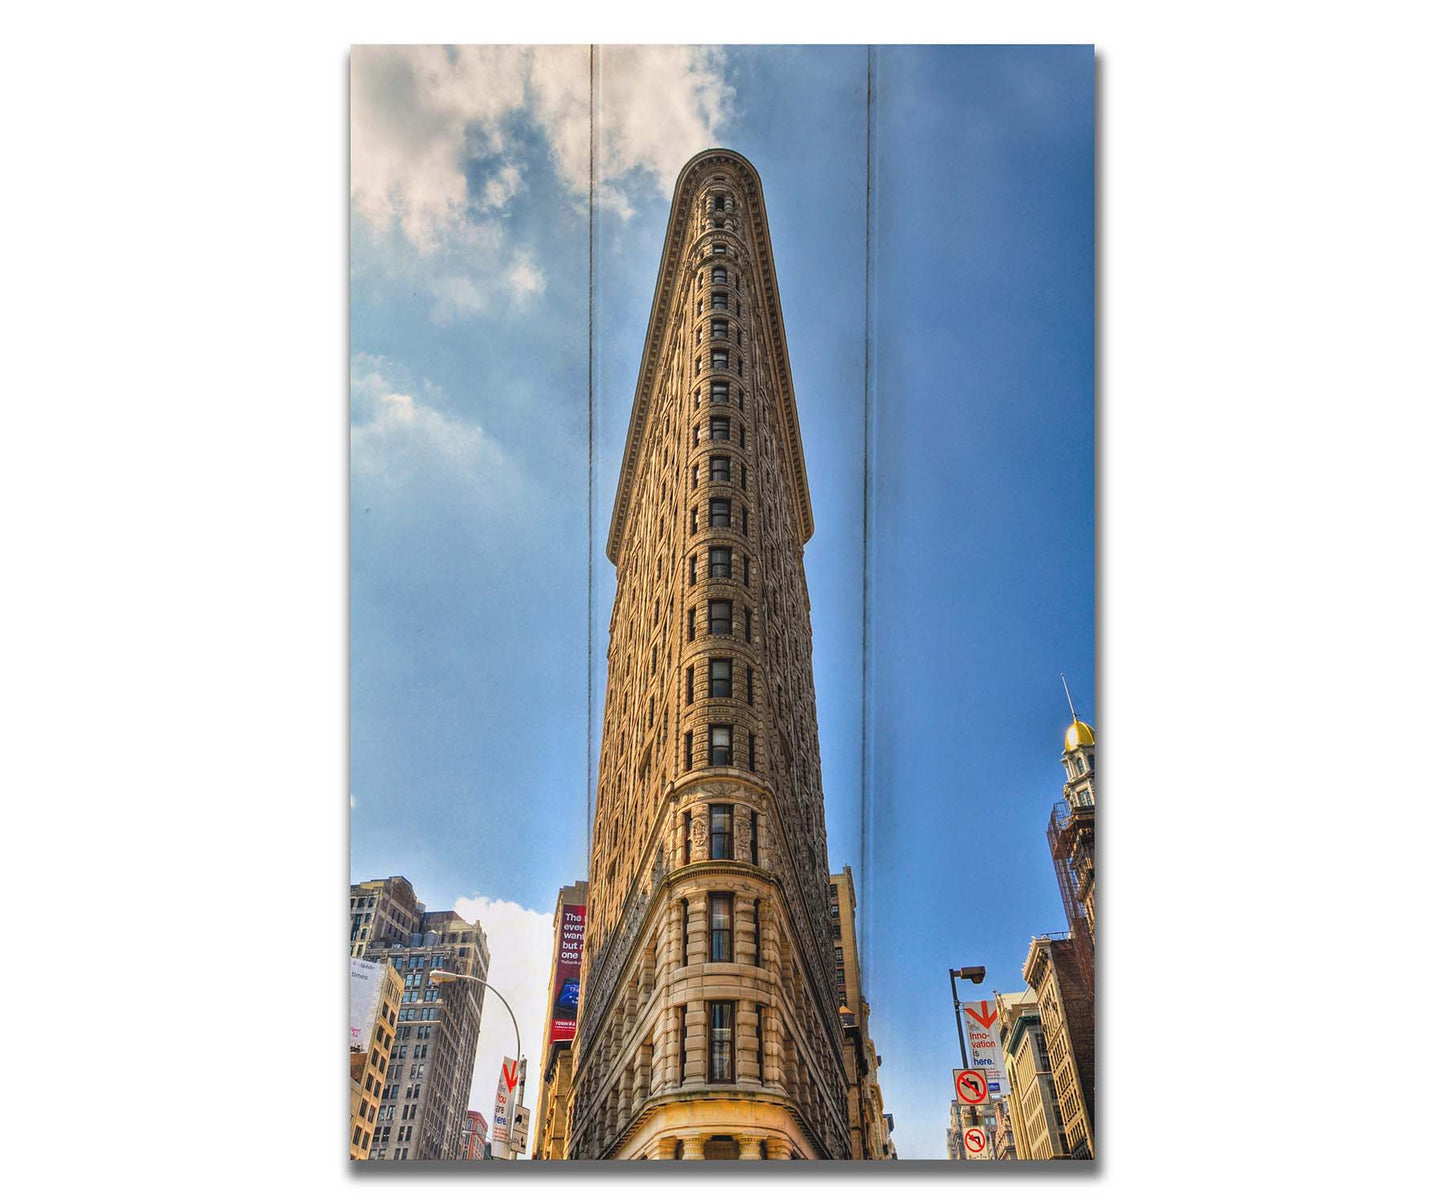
{"x": 669, "y": 274}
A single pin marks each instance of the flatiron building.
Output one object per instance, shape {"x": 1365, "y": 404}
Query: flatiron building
{"x": 708, "y": 1023}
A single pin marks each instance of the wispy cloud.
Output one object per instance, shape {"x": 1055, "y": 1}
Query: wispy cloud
{"x": 405, "y": 438}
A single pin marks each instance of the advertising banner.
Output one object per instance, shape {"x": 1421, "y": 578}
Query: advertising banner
{"x": 366, "y": 982}
{"x": 568, "y": 974}
{"x": 502, "y": 1112}
{"x": 985, "y": 1051}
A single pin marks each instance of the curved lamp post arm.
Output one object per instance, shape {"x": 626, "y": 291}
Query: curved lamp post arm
{"x": 448, "y": 976}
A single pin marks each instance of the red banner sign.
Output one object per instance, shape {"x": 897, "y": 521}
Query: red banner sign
{"x": 567, "y": 976}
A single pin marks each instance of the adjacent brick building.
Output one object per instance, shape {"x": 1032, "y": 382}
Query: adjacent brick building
{"x": 474, "y": 1137}
{"x": 869, "y": 1130}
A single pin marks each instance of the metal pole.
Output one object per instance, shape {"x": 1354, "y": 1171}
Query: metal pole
{"x": 521, "y": 1082}
{"x": 958, "y": 1015}
{"x": 508, "y": 1006}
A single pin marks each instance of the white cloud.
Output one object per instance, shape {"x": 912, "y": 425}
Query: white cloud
{"x": 403, "y": 436}
{"x": 423, "y": 117}
{"x": 521, "y": 946}
{"x": 412, "y": 109}
{"x": 503, "y": 186}
{"x": 657, "y": 107}
{"x": 525, "y": 277}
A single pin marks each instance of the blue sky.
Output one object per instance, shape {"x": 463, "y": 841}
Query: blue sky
{"x": 470, "y": 474}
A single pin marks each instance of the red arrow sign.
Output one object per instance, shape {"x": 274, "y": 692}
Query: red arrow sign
{"x": 974, "y": 1139}
{"x": 988, "y": 1017}
{"x": 510, "y": 1075}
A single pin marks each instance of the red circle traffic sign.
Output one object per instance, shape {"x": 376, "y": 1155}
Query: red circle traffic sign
{"x": 972, "y": 1086}
{"x": 975, "y": 1140}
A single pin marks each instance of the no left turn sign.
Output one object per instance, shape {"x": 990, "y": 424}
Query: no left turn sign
{"x": 972, "y": 1086}
{"x": 974, "y": 1140}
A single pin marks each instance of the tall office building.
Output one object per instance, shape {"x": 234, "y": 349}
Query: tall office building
{"x": 709, "y": 1025}
{"x": 383, "y": 911}
{"x": 424, "y": 1102}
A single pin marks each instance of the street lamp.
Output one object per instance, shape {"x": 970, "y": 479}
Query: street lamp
{"x": 974, "y": 974}
{"x": 443, "y": 976}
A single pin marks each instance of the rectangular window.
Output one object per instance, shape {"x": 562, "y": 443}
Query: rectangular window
{"x": 684, "y": 932}
{"x": 753, "y": 854}
{"x": 720, "y": 678}
{"x": 719, "y": 512}
{"x": 686, "y": 753}
{"x": 753, "y": 756}
{"x": 758, "y": 946}
{"x": 693, "y": 521}
{"x": 718, "y": 428}
{"x": 692, "y": 571}
{"x": 745, "y": 563}
{"x": 750, "y": 685}
{"x": 719, "y": 248}
{"x": 719, "y": 359}
{"x": 719, "y": 275}
{"x": 745, "y": 520}
{"x": 719, "y": 203}
{"x": 719, "y": 300}
{"x": 745, "y": 476}
{"x": 681, "y": 1065}
{"x": 687, "y": 690}
{"x": 692, "y": 623}
{"x": 718, "y": 392}
{"x": 719, "y": 562}
{"x": 720, "y": 822}
{"x": 747, "y": 624}
{"x": 720, "y": 468}
{"x": 719, "y": 617}
{"x": 719, "y": 328}
{"x": 720, "y": 1043}
{"x": 742, "y": 436}
{"x": 720, "y": 928}
{"x": 720, "y": 743}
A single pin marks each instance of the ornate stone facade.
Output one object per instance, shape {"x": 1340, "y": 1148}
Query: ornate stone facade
{"x": 868, "y": 1126}
{"x": 708, "y": 1024}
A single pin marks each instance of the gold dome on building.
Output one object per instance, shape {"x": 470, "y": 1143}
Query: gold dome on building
{"x": 1079, "y": 735}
